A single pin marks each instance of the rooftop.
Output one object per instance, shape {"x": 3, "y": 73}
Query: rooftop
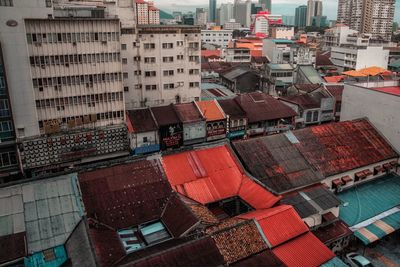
{"x": 165, "y": 115}
{"x": 231, "y": 108}
{"x": 140, "y": 120}
{"x": 393, "y": 90}
{"x": 188, "y": 112}
{"x": 273, "y": 66}
{"x": 211, "y": 110}
{"x": 262, "y": 107}
{"x": 336, "y": 91}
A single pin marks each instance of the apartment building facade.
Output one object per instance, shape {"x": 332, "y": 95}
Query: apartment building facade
{"x": 217, "y": 37}
{"x": 147, "y": 13}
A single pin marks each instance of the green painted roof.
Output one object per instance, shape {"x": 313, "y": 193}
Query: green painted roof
{"x": 335, "y": 262}
{"x": 395, "y": 64}
{"x": 273, "y": 66}
{"x": 368, "y": 200}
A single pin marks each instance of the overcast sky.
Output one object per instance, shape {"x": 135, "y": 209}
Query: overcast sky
{"x": 284, "y": 7}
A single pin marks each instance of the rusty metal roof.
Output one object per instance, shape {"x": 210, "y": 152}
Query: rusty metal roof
{"x": 165, "y": 115}
{"x": 188, "y": 112}
{"x": 339, "y": 147}
{"x": 305, "y": 101}
{"x": 141, "y": 120}
{"x": 231, "y": 108}
{"x": 332, "y": 232}
{"x": 265, "y": 258}
{"x": 336, "y": 91}
{"x": 262, "y": 107}
{"x": 12, "y": 247}
{"x": 276, "y": 163}
{"x": 211, "y": 110}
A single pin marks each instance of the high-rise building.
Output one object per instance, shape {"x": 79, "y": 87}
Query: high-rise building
{"x": 314, "y": 9}
{"x": 147, "y": 13}
{"x": 300, "y": 19}
{"x": 212, "y": 10}
{"x": 266, "y": 4}
{"x": 225, "y": 13}
{"x": 242, "y": 12}
{"x": 288, "y": 20}
{"x": 201, "y": 16}
{"x": 368, "y": 16}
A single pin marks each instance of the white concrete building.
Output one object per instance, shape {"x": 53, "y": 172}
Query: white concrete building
{"x": 379, "y": 102}
{"x": 337, "y": 36}
{"x": 242, "y": 12}
{"x": 236, "y": 55}
{"x": 216, "y": 37}
{"x": 226, "y": 13}
{"x": 359, "y": 57}
{"x": 231, "y": 25}
{"x": 146, "y": 13}
{"x": 201, "y": 16}
{"x": 281, "y": 32}
{"x": 162, "y": 65}
{"x": 261, "y": 24}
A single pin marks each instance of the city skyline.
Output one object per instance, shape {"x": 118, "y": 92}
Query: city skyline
{"x": 283, "y": 7}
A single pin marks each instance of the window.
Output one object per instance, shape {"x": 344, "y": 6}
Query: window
{"x": 194, "y": 45}
{"x": 168, "y": 86}
{"x": 6, "y": 3}
{"x": 48, "y": 3}
{"x": 315, "y": 116}
{"x": 4, "y": 108}
{"x": 167, "y": 45}
{"x": 308, "y": 116}
{"x": 6, "y": 130}
{"x": 145, "y": 139}
{"x": 2, "y": 86}
{"x": 124, "y": 61}
{"x": 123, "y": 46}
{"x": 136, "y": 59}
{"x": 168, "y": 72}
{"x": 149, "y": 46}
{"x": 168, "y": 59}
{"x": 179, "y": 43}
{"x": 149, "y": 73}
{"x": 194, "y": 84}
{"x": 125, "y": 75}
{"x": 149, "y": 60}
{"x": 194, "y": 71}
{"x": 138, "y": 72}
{"x": 126, "y": 89}
{"x": 138, "y": 86}
{"x": 151, "y": 87}
{"x": 194, "y": 59}
{"x": 144, "y": 235}
{"x": 179, "y": 57}
{"x": 180, "y": 70}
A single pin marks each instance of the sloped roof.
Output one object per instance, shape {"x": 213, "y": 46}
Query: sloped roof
{"x": 140, "y": 120}
{"x": 12, "y": 247}
{"x": 311, "y": 74}
{"x": 336, "y": 91}
{"x": 212, "y": 174}
{"x": 265, "y": 258}
{"x": 305, "y": 101}
{"x": 276, "y": 163}
{"x": 210, "y": 110}
{"x": 209, "y": 53}
{"x": 279, "y": 224}
{"x": 262, "y": 107}
{"x": 334, "y": 79}
{"x": 306, "y": 250}
{"x": 236, "y": 72}
{"x": 339, "y": 147}
{"x": 231, "y": 108}
{"x": 188, "y": 112}
{"x": 323, "y": 60}
{"x": 165, "y": 115}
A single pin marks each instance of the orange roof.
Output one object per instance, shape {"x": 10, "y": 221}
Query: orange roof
{"x": 372, "y": 71}
{"x": 211, "y": 110}
{"x": 354, "y": 73}
{"x": 334, "y": 79}
{"x": 209, "y": 53}
{"x": 256, "y": 53}
{"x": 210, "y": 175}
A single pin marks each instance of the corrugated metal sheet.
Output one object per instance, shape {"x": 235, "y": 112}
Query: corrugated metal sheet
{"x": 210, "y": 175}
{"x": 165, "y": 115}
{"x": 332, "y": 232}
{"x": 336, "y": 91}
{"x": 335, "y": 262}
{"x": 188, "y": 112}
{"x": 265, "y": 258}
{"x": 198, "y": 253}
{"x": 255, "y": 195}
{"x": 305, "y": 250}
{"x": 141, "y": 120}
{"x": 231, "y": 108}
{"x": 262, "y": 107}
{"x": 210, "y": 110}
{"x": 239, "y": 242}
{"x": 276, "y": 163}
{"x": 279, "y": 224}
{"x": 305, "y": 101}
{"x": 339, "y": 147}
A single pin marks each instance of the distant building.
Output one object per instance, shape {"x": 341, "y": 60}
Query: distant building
{"x": 300, "y": 19}
{"x": 314, "y": 9}
{"x": 320, "y": 21}
{"x": 288, "y": 20}
{"x": 231, "y": 25}
{"x": 372, "y": 16}
{"x": 226, "y": 13}
{"x": 216, "y": 37}
{"x": 201, "y": 16}
{"x": 242, "y": 12}
{"x": 266, "y": 4}
{"x": 236, "y": 55}
{"x": 146, "y": 13}
{"x": 281, "y": 32}
{"x": 212, "y": 10}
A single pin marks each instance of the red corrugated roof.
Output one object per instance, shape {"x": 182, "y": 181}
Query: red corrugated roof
{"x": 211, "y": 110}
{"x": 278, "y": 224}
{"x": 209, "y": 53}
{"x": 394, "y": 90}
{"x": 304, "y": 251}
{"x": 212, "y": 174}
{"x": 334, "y": 79}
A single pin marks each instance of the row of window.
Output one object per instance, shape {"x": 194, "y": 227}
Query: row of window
{"x": 2, "y": 85}
{"x": 4, "y": 108}
{"x": 168, "y": 59}
{"x": 282, "y": 74}
{"x": 72, "y": 37}
{"x": 6, "y": 3}
{"x": 167, "y": 72}
{"x": 99, "y": 116}
{"x": 79, "y": 100}
{"x": 74, "y": 59}
{"x": 8, "y": 159}
{"x": 166, "y": 86}
{"x": 89, "y": 79}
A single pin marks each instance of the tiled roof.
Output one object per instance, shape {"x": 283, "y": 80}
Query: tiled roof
{"x": 236, "y": 72}
{"x": 332, "y": 232}
{"x": 239, "y": 242}
{"x": 231, "y": 108}
{"x": 212, "y": 174}
{"x": 262, "y": 107}
{"x": 334, "y": 79}
{"x": 188, "y": 112}
{"x": 208, "y": 53}
{"x": 306, "y": 250}
{"x": 276, "y": 163}
{"x": 336, "y": 91}
{"x": 165, "y": 115}
{"x": 197, "y": 253}
{"x": 265, "y": 258}
{"x": 307, "y": 87}
{"x": 279, "y": 224}
{"x": 210, "y": 110}
{"x": 305, "y": 101}
{"x": 141, "y": 121}
{"x": 323, "y": 60}
{"x": 310, "y": 74}
{"x": 204, "y": 214}
{"x": 339, "y": 147}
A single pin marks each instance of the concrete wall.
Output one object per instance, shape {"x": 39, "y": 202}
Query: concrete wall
{"x": 382, "y": 110}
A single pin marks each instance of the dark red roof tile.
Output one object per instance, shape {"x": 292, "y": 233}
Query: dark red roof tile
{"x": 165, "y": 115}
{"x": 188, "y": 112}
{"x": 336, "y": 91}
{"x": 232, "y": 108}
{"x": 12, "y": 247}
{"x": 141, "y": 120}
